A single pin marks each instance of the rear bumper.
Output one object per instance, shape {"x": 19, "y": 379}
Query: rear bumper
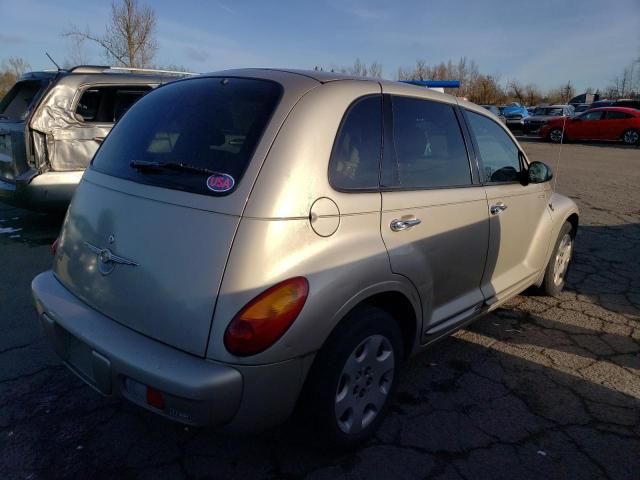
{"x": 45, "y": 191}
{"x": 196, "y": 391}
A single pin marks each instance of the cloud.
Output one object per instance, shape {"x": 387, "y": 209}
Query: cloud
{"x": 213, "y": 51}
{"x": 4, "y": 38}
{"x": 196, "y": 54}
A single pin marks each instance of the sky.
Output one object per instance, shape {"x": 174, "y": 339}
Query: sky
{"x": 541, "y": 42}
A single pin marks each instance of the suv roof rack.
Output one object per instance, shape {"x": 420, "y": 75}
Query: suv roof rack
{"x": 108, "y": 69}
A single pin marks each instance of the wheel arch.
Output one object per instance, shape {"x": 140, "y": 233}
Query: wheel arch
{"x": 398, "y": 299}
{"x": 563, "y": 210}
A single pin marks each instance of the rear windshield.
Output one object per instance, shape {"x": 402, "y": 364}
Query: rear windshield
{"x": 556, "y": 112}
{"x": 18, "y": 101}
{"x": 195, "y": 135}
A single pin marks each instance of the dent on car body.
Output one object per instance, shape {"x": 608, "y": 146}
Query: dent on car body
{"x": 67, "y": 148}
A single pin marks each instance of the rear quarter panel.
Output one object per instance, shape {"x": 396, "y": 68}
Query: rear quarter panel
{"x": 342, "y": 270}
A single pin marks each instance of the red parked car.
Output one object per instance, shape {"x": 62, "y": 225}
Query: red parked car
{"x": 607, "y": 123}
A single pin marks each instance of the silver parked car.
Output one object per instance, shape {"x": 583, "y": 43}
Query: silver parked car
{"x": 541, "y": 115}
{"x": 254, "y": 240}
{"x": 52, "y": 123}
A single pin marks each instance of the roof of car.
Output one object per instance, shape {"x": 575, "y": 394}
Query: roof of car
{"x": 106, "y": 72}
{"x": 326, "y": 77}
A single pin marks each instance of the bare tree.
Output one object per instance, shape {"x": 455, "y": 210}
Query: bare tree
{"x": 78, "y": 55}
{"x": 532, "y": 95}
{"x": 516, "y": 90}
{"x": 486, "y": 90}
{"x": 375, "y": 70}
{"x": 358, "y": 69}
{"x": 622, "y": 84}
{"x": 11, "y": 70}
{"x": 15, "y": 66}
{"x": 129, "y": 37}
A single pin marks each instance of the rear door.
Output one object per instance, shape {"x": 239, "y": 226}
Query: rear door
{"x": 614, "y": 124}
{"x": 520, "y": 225}
{"x": 434, "y": 219}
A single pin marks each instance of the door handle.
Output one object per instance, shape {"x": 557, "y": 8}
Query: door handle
{"x": 98, "y": 139}
{"x": 497, "y": 208}
{"x": 399, "y": 224}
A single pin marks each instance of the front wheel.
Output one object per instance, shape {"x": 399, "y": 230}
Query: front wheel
{"x": 353, "y": 378}
{"x": 555, "y": 135}
{"x": 631, "y": 137}
{"x": 558, "y": 267}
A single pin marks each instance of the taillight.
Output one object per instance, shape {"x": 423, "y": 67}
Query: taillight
{"x": 155, "y": 398}
{"x": 54, "y": 246}
{"x": 265, "y": 318}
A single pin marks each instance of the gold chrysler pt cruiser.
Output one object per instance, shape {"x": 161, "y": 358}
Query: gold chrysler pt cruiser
{"x": 252, "y": 241}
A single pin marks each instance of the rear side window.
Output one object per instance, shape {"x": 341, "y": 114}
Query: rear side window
{"x": 355, "y": 159}
{"x": 196, "y": 135}
{"x": 499, "y": 154}
{"x": 615, "y": 115}
{"x": 429, "y": 147}
{"x": 18, "y": 101}
{"x": 107, "y": 104}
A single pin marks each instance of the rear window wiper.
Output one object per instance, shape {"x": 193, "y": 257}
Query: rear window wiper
{"x": 182, "y": 167}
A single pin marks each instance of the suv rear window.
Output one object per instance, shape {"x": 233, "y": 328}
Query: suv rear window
{"x": 17, "y": 102}
{"x": 196, "y": 135}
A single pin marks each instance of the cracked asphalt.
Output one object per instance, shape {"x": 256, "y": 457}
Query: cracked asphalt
{"x": 543, "y": 388}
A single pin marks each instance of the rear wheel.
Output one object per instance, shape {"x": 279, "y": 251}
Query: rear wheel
{"x": 555, "y": 135}
{"x": 631, "y": 136}
{"x": 558, "y": 267}
{"x": 353, "y": 378}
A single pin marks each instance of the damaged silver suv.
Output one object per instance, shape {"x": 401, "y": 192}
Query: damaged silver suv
{"x": 52, "y": 123}
{"x": 250, "y": 241}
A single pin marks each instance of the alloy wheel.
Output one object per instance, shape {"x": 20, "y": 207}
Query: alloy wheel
{"x": 555, "y": 135}
{"x": 631, "y": 137}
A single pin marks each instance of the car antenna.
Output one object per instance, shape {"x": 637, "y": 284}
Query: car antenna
{"x": 52, "y": 60}
{"x": 555, "y": 177}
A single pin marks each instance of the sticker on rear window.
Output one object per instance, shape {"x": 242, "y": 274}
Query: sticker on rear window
{"x": 220, "y": 182}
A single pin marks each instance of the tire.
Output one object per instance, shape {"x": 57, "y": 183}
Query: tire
{"x": 352, "y": 380}
{"x": 555, "y": 135}
{"x": 558, "y": 267}
{"x": 631, "y": 137}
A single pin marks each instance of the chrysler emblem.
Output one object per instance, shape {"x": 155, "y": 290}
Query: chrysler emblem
{"x": 107, "y": 260}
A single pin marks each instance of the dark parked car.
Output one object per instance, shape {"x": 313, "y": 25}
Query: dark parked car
{"x": 581, "y": 107}
{"x": 610, "y": 123}
{"x": 628, "y": 103}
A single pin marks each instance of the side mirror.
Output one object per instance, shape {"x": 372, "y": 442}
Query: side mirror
{"x": 539, "y": 172}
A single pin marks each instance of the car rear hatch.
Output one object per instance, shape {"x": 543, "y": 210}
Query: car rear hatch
{"x": 150, "y": 228}
{"x": 15, "y": 110}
